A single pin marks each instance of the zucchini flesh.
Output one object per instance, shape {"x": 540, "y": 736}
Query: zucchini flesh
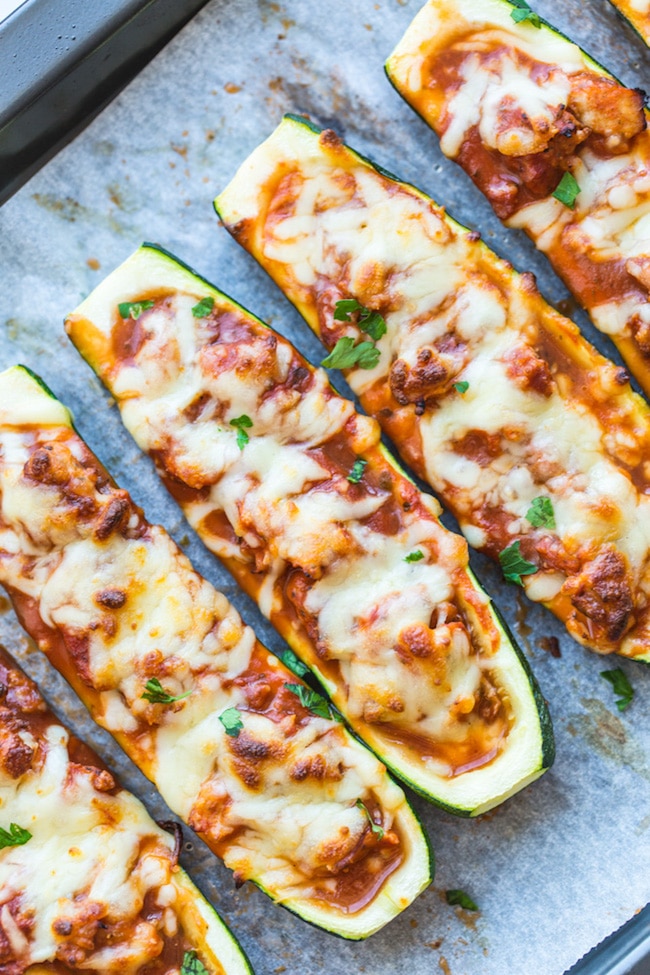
{"x": 165, "y": 664}
{"x": 319, "y": 525}
{"x": 470, "y": 71}
{"x": 89, "y": 835}
{"x": 533, "y": 440}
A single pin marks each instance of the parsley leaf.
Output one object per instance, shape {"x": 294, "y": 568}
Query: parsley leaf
{"x": 192, "y": 965}
{"x": 524, "y": 13}
{"x": 356, "y": 473}
{"x": 242, "y": 423}
{"x": 310, "y": 700}
{"x": 541, "y": 514}
{"x": 232, "y": 722}
{"x": 133, "y": 309}
{"x": 414, "y": 556}
{"x": 461, "y": 387}
{"x": 203, "y": 308}
{"x": 346, "y": 354}
{"x": 567, "y": 190}
{"x": 370, "y": 321}
{"x": 621, "y": 686}
{"x": 375, "y": 827}
{"x": 156, "y": 694}
{"x": 14, "y": 836}
{"x": 290, "y": 660}
{"x": 514, "y": 565}
{"x": 462, "y": 899}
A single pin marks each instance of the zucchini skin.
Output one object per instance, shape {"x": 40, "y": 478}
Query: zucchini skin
{"x": 416, "y": 870}
{"x": 637, "y": 361}
{"x": 545, "y": 754}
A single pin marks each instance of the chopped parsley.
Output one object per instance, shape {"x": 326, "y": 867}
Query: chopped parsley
{"x": 460, "y": 898}
{"x": 461, "y": 387}
{"x": 310, "y": 700}
{"x": 133, "y": 309}
{"x": 346, "y": 354}
{"x": 541, "y": 514}
{"x": 203, "y": 308}
{"x": 232, "y": 722}
{"x": 290, "y": 660}
{"x": 14, "y": 836}
{"x": 242, "y": 423}
{"x": 192, "y": 965}
{"x": 375, "y": 827}
{"x": 514, "y": 565}
{"x": 414, "y": 556}
{"x": 369, "y": 321}
{"x": 621, "y": 686}
{"x": 156, "y": 694}
{"x": 523, "y": 12}
{"x": 358, "y": 468}
{"x": 567, "y": 190}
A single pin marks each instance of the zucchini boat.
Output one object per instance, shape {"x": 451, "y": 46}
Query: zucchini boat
{"x": 637, "y": 12}
{"x": 237, "y": 746}
{"x": 88, "y": 881}
{"x": 290, "y": 487}
{"x": 559, "y": 147}
{"x": 532, "y": 439}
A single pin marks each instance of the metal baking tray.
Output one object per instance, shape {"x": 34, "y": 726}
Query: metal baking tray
{"x": 61, "y": 63}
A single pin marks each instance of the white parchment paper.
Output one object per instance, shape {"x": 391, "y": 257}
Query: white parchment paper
{"x": 566, "y": 862}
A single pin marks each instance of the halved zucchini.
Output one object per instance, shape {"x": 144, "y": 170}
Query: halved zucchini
{"x": 80, "y": 848}
{"x": 637, "y": 14}
{"x": 560, "y": 148}
{"x": 236, "y": 744}
{"x": 293, "y": 491}
{"x": 532, "y": 439}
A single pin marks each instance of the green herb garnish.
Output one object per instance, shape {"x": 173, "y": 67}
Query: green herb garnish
{"x": 567, "y": 190}
{"x": 192, "y": 965}
{"x": 514, "y": 565}
{"x": 369, "y": 321}
{"x": 290, "y": 660}
{"x": 524, "y": 12}
{"x": 460, "y": 898}
{"x": 346, "y": 354}
{"x": 242, "y": 423}
{"x": 375, "y": 827}
{"x": 310, "y": 700}
{"x": 358, "y": 468}
{"x": 541, "y": 514}
{"x": 461, "y": 387}
{"x": 133, "y": 309}
{"x": 203, "y": 308}
{"x": 621, "y": 686}
{"x": 414, "y": 556}
{"x": 232, "y": 722}
{"x": 14, "y": 836}
{"x": 156, "y": 694}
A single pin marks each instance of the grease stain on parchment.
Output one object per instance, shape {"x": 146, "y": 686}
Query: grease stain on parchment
{"x": 606, "y": 734}
{"x": 67, "y": 208}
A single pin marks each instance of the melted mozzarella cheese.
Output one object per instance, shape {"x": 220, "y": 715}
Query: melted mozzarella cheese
{"x": 86, "y": 847}
{"x": 546, "y": 445}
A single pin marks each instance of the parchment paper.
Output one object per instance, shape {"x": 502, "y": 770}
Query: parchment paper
{"x": 567, "y": 861}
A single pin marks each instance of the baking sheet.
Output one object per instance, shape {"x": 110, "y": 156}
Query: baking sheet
{"x": 566, "y": 862}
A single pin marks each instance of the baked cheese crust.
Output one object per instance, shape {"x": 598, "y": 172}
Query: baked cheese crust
{"x": 340, "y": 550}
{"x": 287, "y": 798}
{"x": 521, "y": 108}
{"x": 490, "y": 395}
{"x": 96, "y": 886}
